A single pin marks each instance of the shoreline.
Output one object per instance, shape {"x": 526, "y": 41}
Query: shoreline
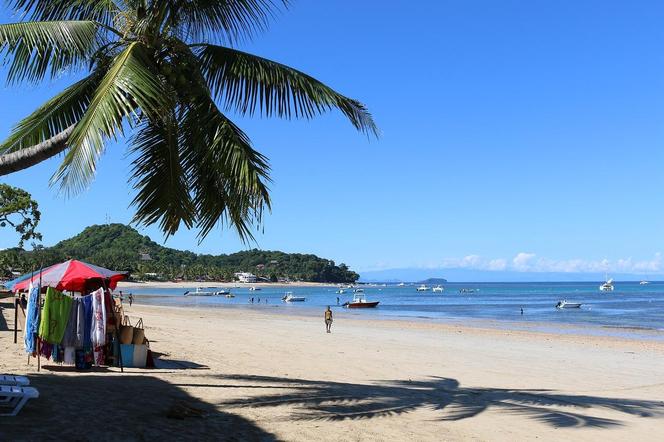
{"x": 215, "y": 284}
{"x": 541, "y": 330}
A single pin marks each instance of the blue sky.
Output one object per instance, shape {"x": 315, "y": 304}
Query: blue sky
{"x": 516, "y": 135}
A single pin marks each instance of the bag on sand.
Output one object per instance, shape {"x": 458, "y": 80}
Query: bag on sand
{"x": 126, "y": 331}
{"x": 139, "y": 333}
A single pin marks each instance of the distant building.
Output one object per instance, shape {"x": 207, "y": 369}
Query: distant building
{"x": 245, "y": 277}
{"x": 145, "y": 257}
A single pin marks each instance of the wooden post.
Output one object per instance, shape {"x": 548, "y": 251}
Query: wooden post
{"x": 16, "y": 319}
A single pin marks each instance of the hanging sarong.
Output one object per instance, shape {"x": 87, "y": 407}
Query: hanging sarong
{"x": 55, "y": 315}
{"x": 98, "y": 332}
{"x": 74, "y": 332}
{"x": 87, "y": 320}
{"x": 31, "y": 320}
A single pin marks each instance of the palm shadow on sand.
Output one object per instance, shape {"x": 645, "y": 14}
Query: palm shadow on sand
{"x": 321, "y": 400}
{"x": 128, "y": 407}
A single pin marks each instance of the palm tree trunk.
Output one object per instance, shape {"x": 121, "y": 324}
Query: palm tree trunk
{"x": 24, "y": 158}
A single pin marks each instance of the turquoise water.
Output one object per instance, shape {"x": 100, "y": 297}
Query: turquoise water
{"x": 631, "y": 307}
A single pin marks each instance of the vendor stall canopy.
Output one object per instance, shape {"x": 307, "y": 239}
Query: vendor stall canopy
{"x": 71, "y": 275}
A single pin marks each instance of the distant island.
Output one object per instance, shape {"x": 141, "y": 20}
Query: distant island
{"x": 433, "y": 281}
{"x": 120, "y": 247}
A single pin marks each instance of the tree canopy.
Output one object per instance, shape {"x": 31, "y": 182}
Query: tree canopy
{"x": 19, "y": 211}
{"x": 120, "y": 247}
{"x": 164, "y": 73}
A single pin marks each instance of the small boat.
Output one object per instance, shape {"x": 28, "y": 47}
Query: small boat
{"x": 229, "y": 295}
{"x": 359, "y": 301}
{"x": 422, "y": 288}
{"x": 200, "y": 292}
{"x": 253, "y": 289}
{"x": 358, "y": 291}
{"x": 341, "y": 291}
{"x": 567, "y": 304}
{"x": 401, "y": 284}
{"x": 644, "y": 283}
{"x": 438, "y": 289}
{"x": 289, "y": 297}
{"x": 467, "y": 291}
{"x": 607, "y": 286}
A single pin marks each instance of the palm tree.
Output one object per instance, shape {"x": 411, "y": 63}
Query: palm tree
{"x": 164, "y": 72}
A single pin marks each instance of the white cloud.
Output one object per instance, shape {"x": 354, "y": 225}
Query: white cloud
{"x": 530, "y": 262}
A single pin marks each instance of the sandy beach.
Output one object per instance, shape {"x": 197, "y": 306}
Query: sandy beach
{"x": 240, "y": 374}
{"x": 123, "y": 285}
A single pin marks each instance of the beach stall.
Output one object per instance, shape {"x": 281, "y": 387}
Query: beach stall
{"x": 73, "y": 319}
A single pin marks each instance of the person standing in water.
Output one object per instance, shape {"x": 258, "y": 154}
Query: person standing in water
{"x": 131, "y": 299}
{"x": 328, "y": 320}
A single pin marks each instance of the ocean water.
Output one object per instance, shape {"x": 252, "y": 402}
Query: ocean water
{"x": 630, "y": 310}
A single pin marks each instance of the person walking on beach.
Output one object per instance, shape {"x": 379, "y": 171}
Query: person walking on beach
{"x": 131, "y": 299}
{"x": 328, "y": 320}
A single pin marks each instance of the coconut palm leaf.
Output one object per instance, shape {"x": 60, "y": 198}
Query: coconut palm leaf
{"x": 129, "y": 86}
{"x": 247, "y": 83}
{"x": 53, "y": 117}
{"x": 221, "y": 20}
{"x": 101, "y": 11}
{"x": 36, "y": 47}
{"x": 227, "y": 176}
{"x": 158, "y": 175}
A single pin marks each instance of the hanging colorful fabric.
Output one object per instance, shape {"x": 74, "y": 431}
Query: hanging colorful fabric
{"x": 31, "y": 320}
{"x": 55, "y": 316}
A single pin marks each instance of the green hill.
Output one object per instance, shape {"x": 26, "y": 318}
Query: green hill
{"x": 119, "y": 247}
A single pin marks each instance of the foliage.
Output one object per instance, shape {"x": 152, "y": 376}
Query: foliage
{"x": 20, "y": 211}
{"x": 120, "y": 247}
{"x": 158, "y": 68}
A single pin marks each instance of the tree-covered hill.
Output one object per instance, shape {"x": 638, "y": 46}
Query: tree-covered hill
{"x": 119, "y": 247}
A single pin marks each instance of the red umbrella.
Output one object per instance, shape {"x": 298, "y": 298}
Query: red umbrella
{"x": 73, "y": 275}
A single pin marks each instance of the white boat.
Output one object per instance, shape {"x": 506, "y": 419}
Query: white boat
{"x": 607, "y": 286}
{"x": 253, "y": 289}
{"x": 358, "y": 291}
{"x": 229, "y": 295}
{"x": 200, "y": 292}
{"x": 341, "y": 291}
{"x": 644, "y": 283}
{"x": 422, "y": 288}
{"x": 567, "y": 304}
{"x": 401, "y": 284}
{"x": 289, "y": 297}
{"x": 438, "y": 289}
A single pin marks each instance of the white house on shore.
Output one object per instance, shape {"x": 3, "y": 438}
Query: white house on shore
{"x": 246, "y": 277}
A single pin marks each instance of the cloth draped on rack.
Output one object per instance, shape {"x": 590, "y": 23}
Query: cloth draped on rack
{"x": 55, "y": 315}
{"x": 87, "y": 318}
{"x": 98, "y": 332}
{"x": 73, "y": 336}
{"x": 31, "y": 320}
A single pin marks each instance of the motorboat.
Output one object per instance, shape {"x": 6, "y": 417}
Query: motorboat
{"x": 358, "y": 291}
{"x": 253, "y": 289}
{"x": 422, "y": 288}
{"x": 466, "y": 291}
{"x": 201, "y": 292}
{"x": 341, "y": 291}
{"x": 607, "y": 286}
{"x": 289, "y": 297}
{"x": 359, "y": 301}
{"x": 229, "y": 295}
{"x": 438, "y": 289}
{"x": 567, "y": 304}
{"x": 401, "y": 284}
{"x": 644, "y": 283}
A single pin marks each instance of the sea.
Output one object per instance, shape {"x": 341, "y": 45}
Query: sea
{"x": 631, "y": 310}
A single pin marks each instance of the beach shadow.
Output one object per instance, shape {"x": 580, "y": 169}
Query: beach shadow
{"x": 175, "y": 364}
{"x": 111, "y": 407}
{"x": 337, "y": 401}
{"x": 6, "y": 308}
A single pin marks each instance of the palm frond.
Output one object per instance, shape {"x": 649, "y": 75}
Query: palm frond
{"x": 53, "y": 117}
{"x": 163, "y": 189}
{"x": 247, "y": 83}
{"x": 102, "y": 11}
{"x": 221, "y": 20}
{"x": 36, "y": 47}
{"x": 129, "y": 86}
{"x": 227, "y": 176}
